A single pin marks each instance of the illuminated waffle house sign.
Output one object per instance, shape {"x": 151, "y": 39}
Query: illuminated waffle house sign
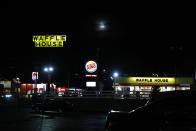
{"x": 91, "y": 66}
{"x": 146, "y": 81}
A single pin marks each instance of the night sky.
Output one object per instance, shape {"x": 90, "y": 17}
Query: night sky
{"x": 137, "y": 41}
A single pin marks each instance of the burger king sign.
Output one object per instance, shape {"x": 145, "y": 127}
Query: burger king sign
{"x": 91, "y": 66}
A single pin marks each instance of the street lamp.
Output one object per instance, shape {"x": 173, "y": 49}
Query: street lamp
{"x": 48, "y": 70}
{"x": 115, "y": 75}
{"x": 17, "y": 83}
{"x": 102, "y": 25}
{"x": 18, "y": 79}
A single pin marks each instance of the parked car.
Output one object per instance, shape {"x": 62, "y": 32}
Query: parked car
{"x": 71, "y": 93}
{"x": 53, "y": 105}
{"x": 2, "y": 98}
{"x": 36, "y": 98}
{"x": 8, "y": 97}
{"x": 172, "y": 111}
{"x": 61, "y": 93}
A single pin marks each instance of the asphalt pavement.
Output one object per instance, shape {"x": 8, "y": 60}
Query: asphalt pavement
{"x": 24, "y": 119}
{"x": 88, "y": 115}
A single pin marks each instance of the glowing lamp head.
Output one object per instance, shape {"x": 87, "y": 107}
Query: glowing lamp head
{"x": 46, "y": 69}
{"x": 50, "y": 69}
{"x": 101, "y": 25}
{"x": 115, "y": 74}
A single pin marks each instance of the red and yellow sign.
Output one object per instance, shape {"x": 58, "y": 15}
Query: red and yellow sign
{"x": 91, "y": 66}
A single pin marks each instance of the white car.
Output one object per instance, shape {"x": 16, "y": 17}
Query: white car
{"x": 61, "y": 93}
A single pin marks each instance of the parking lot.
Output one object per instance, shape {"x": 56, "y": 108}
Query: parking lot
{"x": 23, "y": 118}
{"x": 88, "y": 115}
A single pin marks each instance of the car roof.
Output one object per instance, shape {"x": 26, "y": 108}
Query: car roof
{"x": 172, "y": 95}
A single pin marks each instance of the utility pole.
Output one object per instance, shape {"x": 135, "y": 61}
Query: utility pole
{"x": 193, "y": 86}
{"x": 48, "y": 70}
{"x": 49, "y": 81}
{"x": 97, "y": 55}
{"x": 195, "y": 74}
{"x": 97, "y": 60}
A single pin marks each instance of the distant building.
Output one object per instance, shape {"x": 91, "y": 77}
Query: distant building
{"x": 130, "y": 85}
{"x": 6, "y": 85}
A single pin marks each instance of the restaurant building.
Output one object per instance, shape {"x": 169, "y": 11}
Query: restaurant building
{"x": 143, "y": 85}
{"x": 6, "y": 85}
{"x": 28, "y": 89}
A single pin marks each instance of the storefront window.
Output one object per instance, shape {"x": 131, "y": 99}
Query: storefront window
{"x": 167, "y": 88}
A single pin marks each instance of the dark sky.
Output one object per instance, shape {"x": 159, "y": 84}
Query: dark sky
{"x": 137, "y": 40}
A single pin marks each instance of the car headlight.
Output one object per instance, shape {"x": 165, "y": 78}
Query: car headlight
{"x": 8, "y": 96}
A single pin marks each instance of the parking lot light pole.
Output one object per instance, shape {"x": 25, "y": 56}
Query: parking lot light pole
{"x": 115, "y": 75}
{"x": 48, "y": 70}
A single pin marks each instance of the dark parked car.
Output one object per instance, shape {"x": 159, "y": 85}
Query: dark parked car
{"x": 8, "y": 97}
{"x": 53, "y": 105}
{"x": 171, "y": 111}
{"x": 2, "y": 98}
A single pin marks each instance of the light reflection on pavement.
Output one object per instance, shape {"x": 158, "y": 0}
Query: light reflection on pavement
{"x": 82, "y": 121}
{"x": 26, "y": 120}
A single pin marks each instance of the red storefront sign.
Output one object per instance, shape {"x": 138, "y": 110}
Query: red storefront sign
{"x": 90, "y": 75}
{"x": 61, "y": 89}
{"x": 26, "y": 87}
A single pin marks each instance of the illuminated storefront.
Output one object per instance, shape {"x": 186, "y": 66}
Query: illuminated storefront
{"x": 131, "y": 85}
{"x": 6, "y": 85}
{"x": 29, "y": 89}
{"x": 61, "y": 89}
